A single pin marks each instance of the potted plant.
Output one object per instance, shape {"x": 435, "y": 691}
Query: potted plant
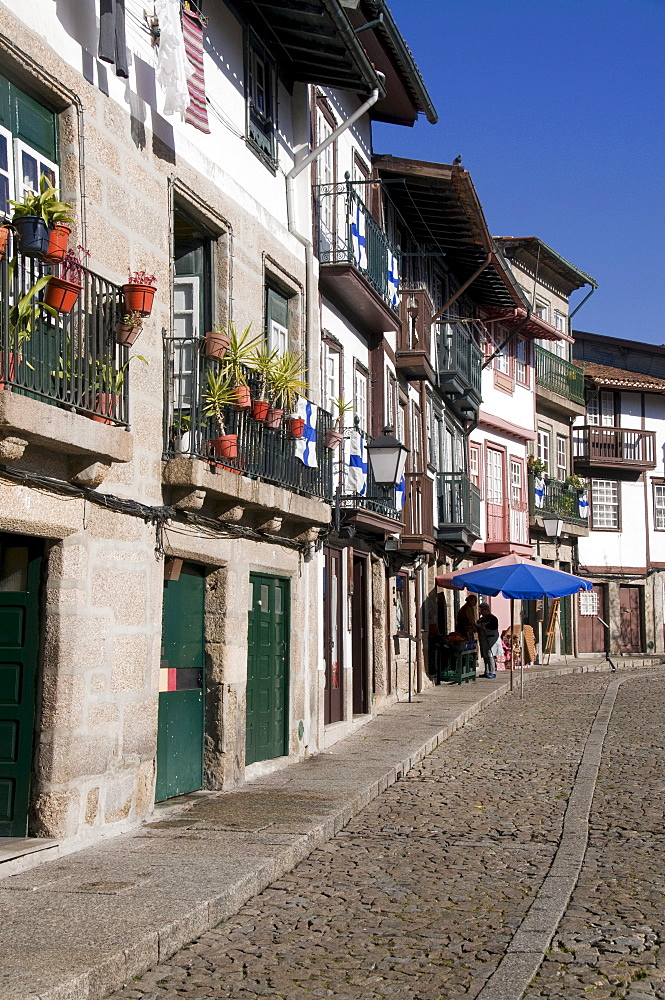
{"x": 288, "y": 384}
{"x": 239, "y": 357}
{"x": 536, "y": 467}
{"x": 5, "y": 228}
{"x": 181, "y": 431}
{"x": 263, "y": 361}
{"x": 23, "y": 317}
{"x": 108, "y": 383}
{"x": 57, "y": 216}
{"x": 334, "y": 435}
{"x": 219, "y": 394}
{"x": 30, "y": 226}
{"x": 577, "y": 482}
{"x": 63, "y": 290}
{"x": 216, "y": 343}
{"x": 139, "y": 292}
{"x": 128, "y": 329}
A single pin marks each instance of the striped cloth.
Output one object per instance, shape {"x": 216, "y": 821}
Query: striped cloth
{"x": 197, "y": 112}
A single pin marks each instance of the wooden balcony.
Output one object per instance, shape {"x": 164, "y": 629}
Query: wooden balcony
{"x": 460, "y": 368}
{"x": 614, "y": 447}
{"x": 412, "y": 358}
{"x": 418, "y": 514}
{"x": 507, "y": 527}
{"x": 459, "y": 509}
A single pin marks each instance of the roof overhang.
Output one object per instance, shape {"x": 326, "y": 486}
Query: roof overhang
{"x": 440, "y": 204}
{"x": 312, "y": 42}
{"x": 539, "y": 258}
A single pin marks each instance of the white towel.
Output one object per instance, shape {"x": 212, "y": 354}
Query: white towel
{"x": 173, "y": 67}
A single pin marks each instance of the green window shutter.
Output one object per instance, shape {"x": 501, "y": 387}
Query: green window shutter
{"x": 28, "y": 120}
{"x": 5, "y": 117}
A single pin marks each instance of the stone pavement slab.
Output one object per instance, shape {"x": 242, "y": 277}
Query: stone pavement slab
{"x": 85, "y": 923}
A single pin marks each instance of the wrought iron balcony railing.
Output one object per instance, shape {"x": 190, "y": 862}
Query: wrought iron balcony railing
{"x": 64, "y": 359}
{"x": 459, "y": 502}
{"x": 460, "y": 356}
{"x": 614, "y": 446}
{"x": 558, "y": 498}
{"x": 559, "y": 375}
{"x": 347, "y": 233}
{"x": 379, "y": 499}
{"x": 262, "y": 452}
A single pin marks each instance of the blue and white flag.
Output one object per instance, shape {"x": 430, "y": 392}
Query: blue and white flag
{"x": 393, "y": 280}
{"x": 539, "y": 492}
{"x": 583, "y": 504}
{"x": 400, "y": 494}
{"x": 356, "y": 476}
{"x": 306, "y": 445}
{"x": 358, "y": 238}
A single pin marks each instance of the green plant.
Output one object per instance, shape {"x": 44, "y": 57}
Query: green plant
{"x": 182, "y": 422}
{"x": 132, "y": 319}
{"x": 220, "y": 393}
{"x": 342, "y": 406}
{"x": 108, "y": 378}
{"x": 46, "y": 205}
{"x": 25, "y": 314}
{"x": 240, "y": 355}
{"x": 264, "y": 361}
{"x": 536, "y": 466}
{"x": 577, "y": 482}
{"x": 288, "y": 381}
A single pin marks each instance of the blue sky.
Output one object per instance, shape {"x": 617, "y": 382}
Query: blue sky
{"x": 558, "y": 110}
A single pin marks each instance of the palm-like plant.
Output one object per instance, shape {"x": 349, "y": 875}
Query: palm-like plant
{"x": 219, "y": 394}
{"x": 264, "y": 362}
{"x": 240, "y": 355}
{"x": 288, "y": 379}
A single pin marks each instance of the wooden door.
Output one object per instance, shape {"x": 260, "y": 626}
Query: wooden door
{"x": 630, "y": 636}
{"x": 20, "y": 571}
{"x": 359, "y": 637}
{"x": 180, "y": 729}
{"x": 591, "y": 634}
{"x": 495, "y": 496}
{"x": 267, "y": 669}
{"x": 333, "y": 635}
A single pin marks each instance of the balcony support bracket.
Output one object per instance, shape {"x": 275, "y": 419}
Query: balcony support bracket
{"x": 12, "y": 448}
{"x": 90, "y": 474}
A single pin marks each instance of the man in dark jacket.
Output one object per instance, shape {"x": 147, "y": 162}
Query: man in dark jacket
{"x": 465, "y": 622}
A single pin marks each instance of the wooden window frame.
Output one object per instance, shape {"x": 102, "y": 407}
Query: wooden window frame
{"x": 656, "y": 484}
{"x": 594, "y": 527}
{"x": 255, "y": 48}
{"x": 477, "y": 448}
{"x": 558, "y": 439}
{"x": 359, "y": 369}
{"x": 526, "y": 381}
{"x": 548, "y": 464}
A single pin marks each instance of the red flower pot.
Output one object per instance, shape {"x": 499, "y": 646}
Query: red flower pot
{"x": 138, "y": 298}
{"x": 4, "y": 237}
{"x": 57, "y": 244}
{"x": 225, "y": 446}
{"x": 61, "y": 294}
{"x": 105, "y": 405}
{"x": 126, "y": 335}
{"x": 333, "y": 438}
{"x": 260, "y": 409}
{"x": 243, "y": 399}
{"x": 274, "y": 417}
{"x": 296, "y": 426}
{"x": 8, "y": 368}
{"x": 216, "y": 344}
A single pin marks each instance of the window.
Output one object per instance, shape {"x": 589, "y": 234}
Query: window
{"x": 494, "y": 493}
{"x": 401, "y": 604}
{"x": 277, "y": 320}
{"x": 560, "y": 322}
{"x": 659, "y": 506}
{"x": 192, "y": 299}
{"x": 360, "y": 397}
{"x": 437, "y": 460}
{"x": 28, "y": 144}
{"x": 331, "y": 382}
{"x": 502, "y": 361}
{"x": 605, "y": 504}
{"x": 429, "y": 431}
{"x": 561, "y": 463}
{"x": 474, "y": 464}
{"x": 515, "y": 481}
{"x": 416, "y": 438}
{"x": 391, "y": 398}
{"x": 401, "y": 423}
{"x": 261, "y": 102}
{"x": 522, "y": 362}
{"x": 544, "y": 448}
{"x": 600, "y": 409}
{"x": 325, "y": 175}
{"x": 542, "y": 311}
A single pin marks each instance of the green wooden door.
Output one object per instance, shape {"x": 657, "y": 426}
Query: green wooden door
{"x": 180, "y": 728}
{"x": 267, "y": 669}
{"x": 20, "y": 568}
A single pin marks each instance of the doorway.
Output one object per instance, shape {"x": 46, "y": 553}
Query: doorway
{"x": 20, "y": 575}
{"x": 180, "y": 729}
{"x": 630, "y": 610}
{"x": 333, "y": 636}
{"x": 267, "y": 700}
{"x": 359, "y": 636}
{"x": 591, "y": 636}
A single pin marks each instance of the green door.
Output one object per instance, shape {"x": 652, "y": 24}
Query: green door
{"x": 181, "y": 693}
{"x": 20, "y": 568}
{"x": 267, "y": 671}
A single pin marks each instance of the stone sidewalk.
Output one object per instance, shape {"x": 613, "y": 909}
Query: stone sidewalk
{"x": 84, "y": 924}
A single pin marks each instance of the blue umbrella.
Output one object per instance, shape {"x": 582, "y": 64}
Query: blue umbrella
{"x": 526, "y": 581}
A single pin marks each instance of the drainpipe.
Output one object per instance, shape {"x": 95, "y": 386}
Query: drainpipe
{"x": 311, "y": 347}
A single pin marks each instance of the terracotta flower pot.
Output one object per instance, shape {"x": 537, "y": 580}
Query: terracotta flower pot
{"x": 4, "y": 237}
{"x": 126, "y": 335}
{"x": 225, "y": 446}
{"x": 61, "y": 294}
{"x": 260, "y": 409}
{"x": 138, "y": 298}
{"x": 105, "y": 405}
{"x": 8, "y": 368}
{"x": 296, "y": 427}
{"x": 243, "y": 399}
{"x": 274, "y": 417}
{"x": 33, "y": 235}
{"x": 57, "y": 244}
{"x": 216, "y": 344}
{"x": 333, "y": 438}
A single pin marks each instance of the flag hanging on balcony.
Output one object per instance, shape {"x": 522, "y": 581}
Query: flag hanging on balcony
{"x": 583, "y": 504}
{"x": 539, "y": 492}
{"x": 306, "y": 445}
{"x": 400, "y": 493}
{"x": 393, "y": 280}
{"x": 358, "y": 238}
{"x": 356, "y": 476}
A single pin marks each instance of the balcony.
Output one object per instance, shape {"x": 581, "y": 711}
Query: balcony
{"x": 614, "y": 447}
{"x": 412, "y": 357}
{"x": 356, "y": 259}
{"x": 418, "y": 514}
{"x": 460, "y": 371}
{"x": 459, "y": 509}
{"x": 65, "y": 379}
{"x": 507, "y": 527}
{"x": 559, "y": 382}
{"x": 562, "y": 500}
{"x": 374, "y": 511}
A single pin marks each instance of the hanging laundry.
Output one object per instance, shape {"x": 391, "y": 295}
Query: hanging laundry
{"x": 539, "y": 492}
{"x": 583, "y": 504}
{"x": 356, "y": 477}
{"x": 173, "y": 66}
{"x": 306, "y": 445}
{"x": 192, "y": 29}
{"x": 112, "y": 42}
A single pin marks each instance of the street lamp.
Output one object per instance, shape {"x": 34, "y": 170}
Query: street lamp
{"x": 387, "y": 457}
{"x": 553, "y": 524}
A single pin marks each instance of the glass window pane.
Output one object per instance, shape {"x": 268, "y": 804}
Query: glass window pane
{"x": 14, "y": 569}
{"x": 29, "y": 172}
{"x": 4, "y": 153}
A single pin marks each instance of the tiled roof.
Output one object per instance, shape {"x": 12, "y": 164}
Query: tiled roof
{"x": 620, "y": 378}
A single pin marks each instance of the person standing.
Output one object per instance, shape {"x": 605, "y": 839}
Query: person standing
{"x": 488, "y": 637}
{"x": 465, "y": 621}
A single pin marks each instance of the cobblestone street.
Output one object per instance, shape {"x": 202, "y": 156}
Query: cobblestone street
{"x": 421, "y": 894}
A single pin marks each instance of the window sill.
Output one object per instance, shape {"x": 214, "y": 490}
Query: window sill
{"x": 268, "y": 161}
